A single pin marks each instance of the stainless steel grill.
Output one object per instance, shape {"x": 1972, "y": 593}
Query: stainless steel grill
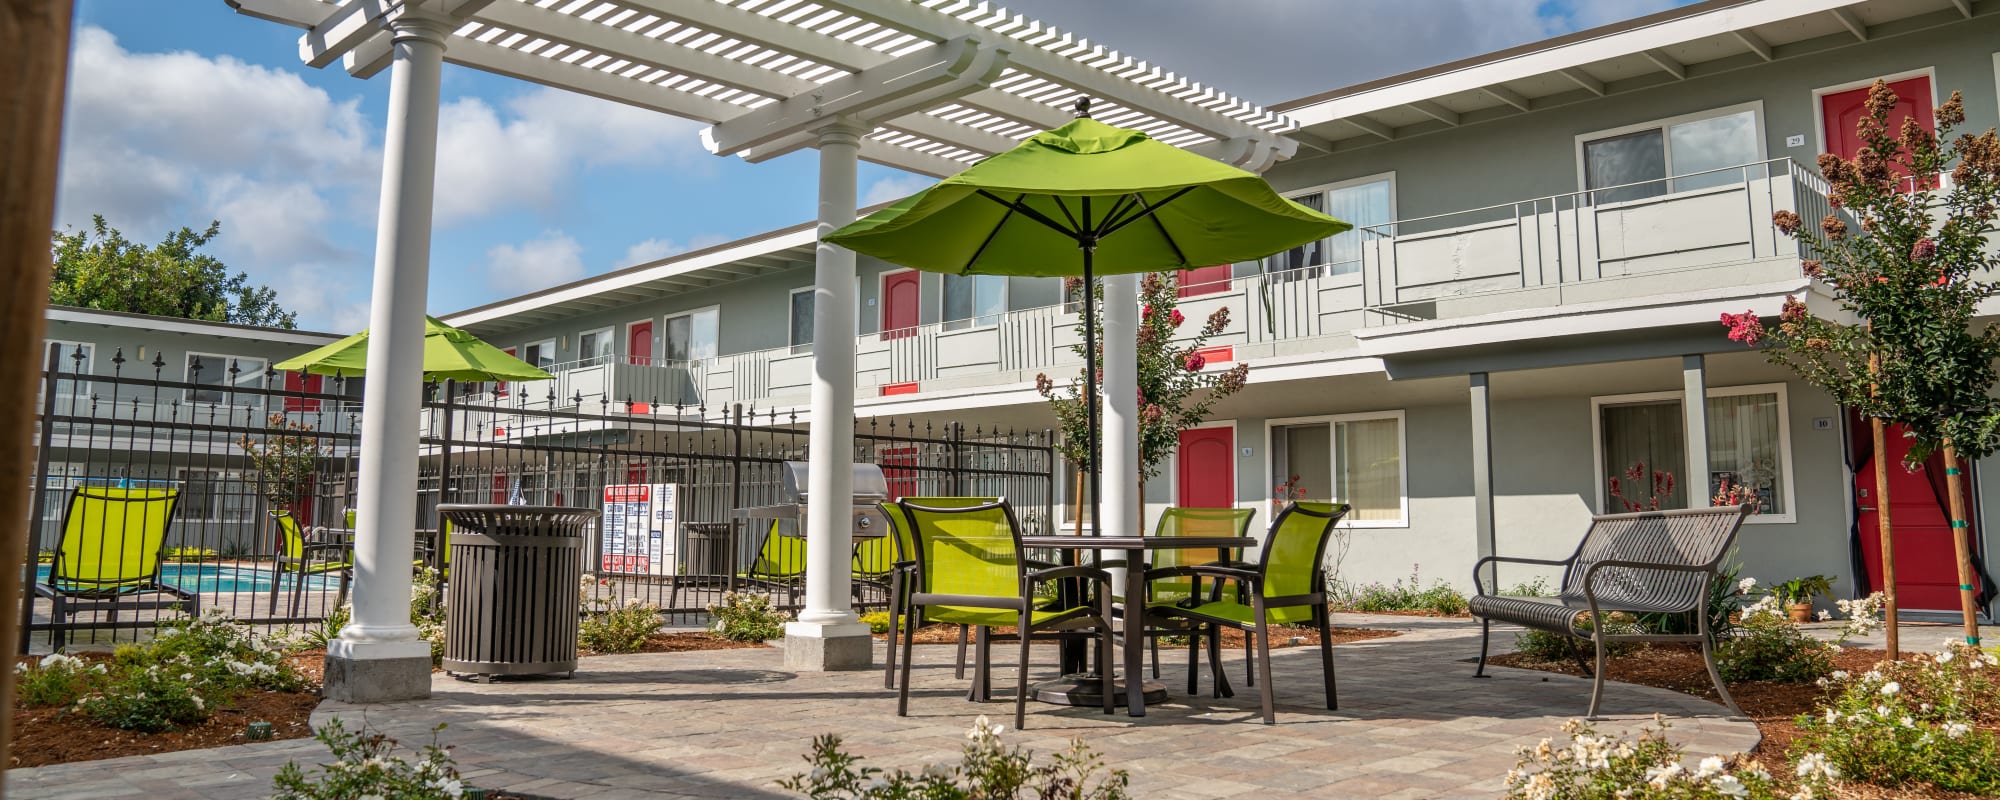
{"x": 870, "y": 487}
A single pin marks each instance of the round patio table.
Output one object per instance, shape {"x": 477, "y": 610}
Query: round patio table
{"x": 1134, "y": 550}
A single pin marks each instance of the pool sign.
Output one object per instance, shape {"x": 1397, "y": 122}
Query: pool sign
{"x": 640, "y": 528}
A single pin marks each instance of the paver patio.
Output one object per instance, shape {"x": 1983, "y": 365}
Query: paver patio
{"x": 1413, "y": 723}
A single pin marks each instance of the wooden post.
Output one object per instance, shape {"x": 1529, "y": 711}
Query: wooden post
{"x": 1078, "y": 497}
{"x": 34, "y": 60}
{"x": 1961, "y": 540}
{"x": 1882, "y": 532}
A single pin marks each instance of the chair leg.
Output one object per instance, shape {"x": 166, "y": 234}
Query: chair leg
{"x": 1249, "y": 662}
{"x": 1217, "y": 676}
{"x": 1708, "y": 658}
{"x": 346, "y": 579}
{"x": 1194, "y": 661}
{"x": 277, "y": 577}
{"x": 1021, "y": 675}
{"x": 982, "y": 664}
{"x": 58, "y": 637}
{"x": 960, "y": 672}
{"x": 895, "y": 631}
{"x": 1485, "y": 637}
{"x": 1326, "y": 658}
{"x": 1597, "y": 682}
{"x": 1104, "y": 638}
{"x": 1264, "y": 689}
{"x": 903, "y": 685}
{"x": 1155, "y": 642}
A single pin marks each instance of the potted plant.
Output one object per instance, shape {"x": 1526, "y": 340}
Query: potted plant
{"x": 1796, "y": 595}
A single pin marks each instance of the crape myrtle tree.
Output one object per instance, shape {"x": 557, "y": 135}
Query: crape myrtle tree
{"x": 1906, "y": 251}
{"x": 1175, "y": 393}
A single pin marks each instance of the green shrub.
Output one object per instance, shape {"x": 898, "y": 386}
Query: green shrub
{"x": 1909, "y": 723}
{"x": 1593, "y": 767}
{"x": 878, "y": 621}
{"x": 225, "y": 655}
{"x": 190, "y": 554}
{"x": 427, "y": 611}
{"x": 317, "y": 637}
{"x": 149, "y": 698}
{"x": 1438, "y": 598}
{"x": 748, "y": 618}
{"x": 1769, "y": 648}
{"x": 1726, "y": 595}
{"x": 1539, "y": 587}
{"x": 56, "y": 680}
{"x": 1543, "y": 645}
{"x": 986, "y": 770}
{"x": 366, "y": 765}
{"x": 619, "y": 630}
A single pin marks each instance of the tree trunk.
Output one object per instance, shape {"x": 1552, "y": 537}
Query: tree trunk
{"x": 1882, "y": 533}
{"x": 1078, "y": 495}
{"x": 1961, "y": 539}
{"x": 34, "y": 60}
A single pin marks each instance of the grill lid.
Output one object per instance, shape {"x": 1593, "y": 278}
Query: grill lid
{"x": 869, "y": 484}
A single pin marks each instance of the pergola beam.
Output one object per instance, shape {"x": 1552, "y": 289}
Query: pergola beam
{"x": 296, "y": 13}
{"x": 640, "y": 49}
{"x": 349, "y": 25}
{"x": 903, "y": 85}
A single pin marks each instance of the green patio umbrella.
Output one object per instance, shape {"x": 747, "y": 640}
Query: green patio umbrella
{"x": 448, "y": 353}
{"x": 1087, "y": 199}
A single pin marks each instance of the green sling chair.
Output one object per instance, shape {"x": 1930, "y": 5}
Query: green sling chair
{"x": 1286, "y": 586}
{"x": 970, "y": 571}
{"x": 300, "y": 559}
{"x": 1180, "y": 588}
{"x": 781, "y": 561}
{"x": 112, "y": 543}
{"x": 905, "y": 565}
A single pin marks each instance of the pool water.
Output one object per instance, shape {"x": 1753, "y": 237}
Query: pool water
{"x": 222, "y": 578}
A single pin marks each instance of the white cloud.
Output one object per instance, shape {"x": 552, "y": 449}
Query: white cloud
{"x": 527, "y": 152}
{"x": 894, "y": 188}
{"x": 552, "y": 259}
{"x": 657, "y": 248}
{"x": 156, "y": 141}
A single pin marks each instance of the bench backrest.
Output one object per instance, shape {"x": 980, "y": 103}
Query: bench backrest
{"x": 1695, "y": 537}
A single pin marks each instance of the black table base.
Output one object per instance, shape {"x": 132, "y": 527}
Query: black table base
{"x": 1086, "y": 690}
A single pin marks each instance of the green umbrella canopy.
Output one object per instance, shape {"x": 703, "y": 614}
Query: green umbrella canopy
{"x": 448, "y": 353}
{"x": 985, "y": 220}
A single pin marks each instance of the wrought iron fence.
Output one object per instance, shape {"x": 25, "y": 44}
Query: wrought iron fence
{"x": 226, "y": 459}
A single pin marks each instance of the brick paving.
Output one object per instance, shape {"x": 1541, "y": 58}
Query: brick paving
{"x": 1413, "y": 723}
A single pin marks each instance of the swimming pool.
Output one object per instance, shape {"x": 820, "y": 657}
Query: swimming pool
{"x": 222, "y": 578}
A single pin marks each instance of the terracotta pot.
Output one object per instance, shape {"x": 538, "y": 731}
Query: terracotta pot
{"x": 1801, "y": 612}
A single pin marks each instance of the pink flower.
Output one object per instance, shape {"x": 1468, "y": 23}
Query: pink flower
{"x": 1146, "y": 313}
{"x": 1744, "y": 327}
{"x": 1924, "y": 250}
{"x": 1176, "y": 318}
{"x": 1195, "y": 362}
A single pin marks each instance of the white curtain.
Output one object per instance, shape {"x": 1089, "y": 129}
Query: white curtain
{"x": 1368, "y": 471}
{"x": 1360, "y": 205}
{"x": 1743, "y": 446}
{"x": 1642, "y": 440}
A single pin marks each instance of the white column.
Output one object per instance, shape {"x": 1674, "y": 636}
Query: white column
{"x": 378, "y": 656}
{"x": 827, "y": 634}
{"x": 1694, "y": 409}
{"x": 1121, "y": 407}
{"x": 1484, "y": 537}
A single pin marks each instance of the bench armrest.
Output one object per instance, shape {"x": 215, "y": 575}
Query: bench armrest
{"x": 1480, "y": 566}
{"x": 1590, "y": 577}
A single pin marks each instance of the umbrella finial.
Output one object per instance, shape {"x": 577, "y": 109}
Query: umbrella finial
{"x": 1083, "y": 107}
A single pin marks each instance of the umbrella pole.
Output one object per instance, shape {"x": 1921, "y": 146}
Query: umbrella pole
{"x": 1090, "y": 367}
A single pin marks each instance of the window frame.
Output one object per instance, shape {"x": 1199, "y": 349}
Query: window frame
{"x": 1786, "y": 488}
{"x": 666, "y": 322}
{"x": 66, "y": 366}
{"x": 605, "y": 332}
{"x": 548, "y": 344}
{"x": 1663, "y": 124}
{"x": 792, "y": 319}
{"x": 1327, "y": 188}
{"x": 971, "y": 323}
{"x": 230, "y": 398}
{"x": 1333, "y": 453}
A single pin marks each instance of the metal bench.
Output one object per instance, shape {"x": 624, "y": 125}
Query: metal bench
{"x": 1649, "y": 562}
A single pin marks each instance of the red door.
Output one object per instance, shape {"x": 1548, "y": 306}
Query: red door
{"x": 899, "y": 304}
{"x": 1843, "y": 112}
{"x": 1203, "y": 464}
{"x": 1204, "y": 280}
{"x": 639, "y": 342}
{"x": 300, "y": 382}
{"x": 1926, "y": 560}
{"x": 902, "y": 482}
{"x": 500, "y": 387}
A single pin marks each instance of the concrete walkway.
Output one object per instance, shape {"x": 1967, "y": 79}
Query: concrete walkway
{"x": 1413, "y": 723}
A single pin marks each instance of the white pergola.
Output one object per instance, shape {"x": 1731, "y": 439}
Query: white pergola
{"x": 929, "y": 86}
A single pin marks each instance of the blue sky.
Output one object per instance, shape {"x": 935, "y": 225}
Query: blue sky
{"x": 182, "y": 112}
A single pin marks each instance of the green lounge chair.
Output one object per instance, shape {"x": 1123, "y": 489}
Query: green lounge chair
{"x": 970, "y": 571}
{"x": 781, "y": 562}
{"x": 1180, "y": 588}
{"x": 1287, "y": 586}
{"x": 903, "y": 569}
{"x": 299, "y": 559}
{"x": 113, "y": 540}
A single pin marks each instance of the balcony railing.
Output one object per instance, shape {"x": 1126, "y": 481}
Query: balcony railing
{"x": 1638, "y": 239}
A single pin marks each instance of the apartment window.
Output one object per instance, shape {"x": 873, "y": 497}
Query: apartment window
{"x": 971, "y": 301}
{"x": 594, "y": 347}
{"x": 1369, "y": 204}
{"x": 1642, "y": 447}
{"x": 212, "y": 372}
{"x": 1355, "y": 459}
{"x": 542, "y": 354}
{"x": 801, "y": 338}
{"x": 1694, "y": 151}
{"x": 692, "y": 336}
{"x": 69, "y": 362}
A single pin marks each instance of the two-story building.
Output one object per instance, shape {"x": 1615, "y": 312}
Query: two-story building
{"x": 1520, "y": 331}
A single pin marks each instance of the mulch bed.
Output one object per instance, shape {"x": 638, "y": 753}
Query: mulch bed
{"x": 45, "y": 736}
{"x": 686, "y": 642}
{"x": 1231, "y": 639}
{"x": 1773, "y": 706}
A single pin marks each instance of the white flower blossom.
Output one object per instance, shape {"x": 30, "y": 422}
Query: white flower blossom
{"x": 1891, "y": 688}
{"x": 1730, "y": 785}
{"x": 1658, "y": 777}
{"x": 1814, "y": 766}
{"x": 1746, "y": 586}
{"x": 1708, "y": 768}
{"x": 1956, "y": 729}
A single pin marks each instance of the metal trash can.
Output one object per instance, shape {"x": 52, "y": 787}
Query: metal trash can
{"x": 511, "y": 600}
{"x": 707, "y": 549}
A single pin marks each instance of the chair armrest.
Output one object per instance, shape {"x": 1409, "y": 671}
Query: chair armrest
{"x": 1479, "y": 587}
{"x": 329, "y": 547}
{"x": 1057, "y": 573}
{"x": 1232, "y": 573}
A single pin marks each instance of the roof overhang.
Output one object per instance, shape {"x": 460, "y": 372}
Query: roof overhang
{"x": 939, "y": 84}
{"x": 1694, "y": 41}
{"x": 120, "y": 319}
